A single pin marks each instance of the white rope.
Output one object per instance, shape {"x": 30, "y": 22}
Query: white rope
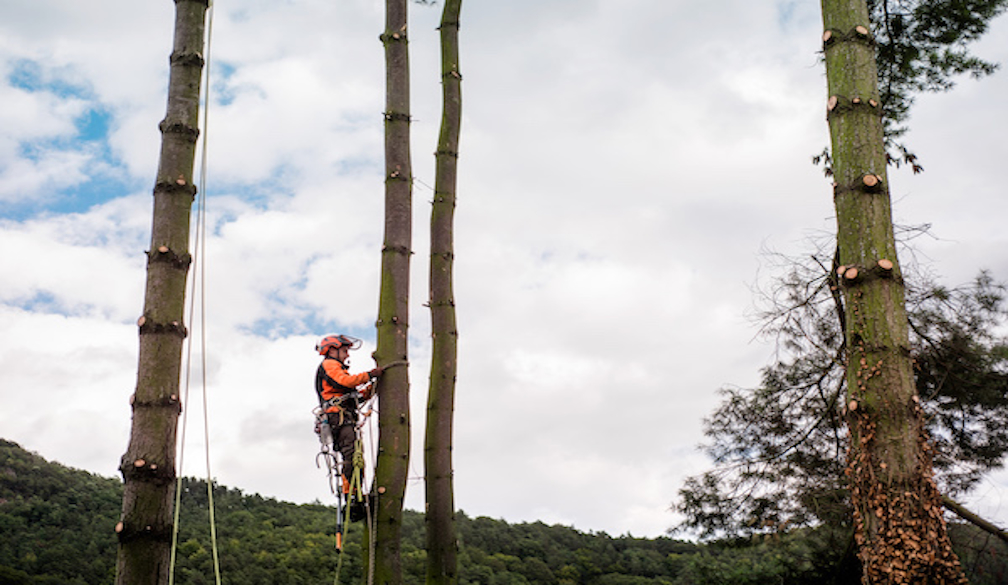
{"x": 199, "y": 276}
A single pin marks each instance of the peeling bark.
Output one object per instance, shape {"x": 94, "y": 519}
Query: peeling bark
{"x": 900, "y": 529}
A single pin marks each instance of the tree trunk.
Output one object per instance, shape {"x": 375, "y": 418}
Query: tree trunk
{"x": 899, "y": 527}
{"x": 148, "y": 466}
{"x": 442, "y": 565}
{"x": 393, "y": 310}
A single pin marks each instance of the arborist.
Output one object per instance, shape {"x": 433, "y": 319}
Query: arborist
{"x": 339, "y": 393}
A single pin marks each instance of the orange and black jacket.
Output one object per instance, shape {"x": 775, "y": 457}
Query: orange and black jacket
{"x": 333, "y": 381}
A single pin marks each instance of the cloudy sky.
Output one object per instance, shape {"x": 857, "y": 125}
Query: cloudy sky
{"x": 623, "y": 164}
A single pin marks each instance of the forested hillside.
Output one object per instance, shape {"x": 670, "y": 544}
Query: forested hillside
{"x": 56, "y": 527}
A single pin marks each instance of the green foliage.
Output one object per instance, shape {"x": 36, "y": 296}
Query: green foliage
{"x": 494, "y": 552}
{"x": 981, "y": 554}
{"x": 921, "y": 46}
{"x": 802, "y": 556}
{"x": 55, "y": 521}
{"x": 56, "y": 526}
{"x": 56, "y": 529}
{"x": 779, "y": 449}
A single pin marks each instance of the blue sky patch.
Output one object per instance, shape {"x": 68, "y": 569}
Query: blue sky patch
{"x": 30, "y": 76}
{"x": 43, "y": 302}
{"x": 785, "y": 13}
{"x": 221, "y": 91}
{"x": 98, "y": 189}
{"x": 94, "y": 124}
{"x": 305, "y": 323}
{"x": 301, "y": 320}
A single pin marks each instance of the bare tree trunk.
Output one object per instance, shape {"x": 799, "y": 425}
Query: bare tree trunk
{"x": 393, "y": 310}
{"x": 148, "y": 466}
{"x": 900, "y": 529}
{"x": 442, "y": 564}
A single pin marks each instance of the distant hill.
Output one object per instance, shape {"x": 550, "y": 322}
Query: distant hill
{"x": 56, "y": 528}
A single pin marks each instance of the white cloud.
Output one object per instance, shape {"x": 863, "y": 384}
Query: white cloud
{"x": 78, "y": 264}
{"x": 622, "y": 164}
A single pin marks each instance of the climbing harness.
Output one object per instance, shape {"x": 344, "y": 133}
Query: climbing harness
{"x": 328, "y": 450}
{"x": 349, "y": 493}
{"x": 352, "y": 502}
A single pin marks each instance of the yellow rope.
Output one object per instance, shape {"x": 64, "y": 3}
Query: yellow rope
{"x": 356, "y": 489}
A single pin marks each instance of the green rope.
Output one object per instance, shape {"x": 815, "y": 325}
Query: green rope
{"x": 355, "y": 489}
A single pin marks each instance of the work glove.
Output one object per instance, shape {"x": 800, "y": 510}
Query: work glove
{"x": 375, "y": 372}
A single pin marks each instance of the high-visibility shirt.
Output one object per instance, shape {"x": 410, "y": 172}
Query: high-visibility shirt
{"x": 346, "y": 381}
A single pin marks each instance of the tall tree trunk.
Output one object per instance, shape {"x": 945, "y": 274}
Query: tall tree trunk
{"x": 442, "y": 565}
{"x": 148, "y": 466}
{"x": 393, "y": 310}
{"x": 899, "y": 527}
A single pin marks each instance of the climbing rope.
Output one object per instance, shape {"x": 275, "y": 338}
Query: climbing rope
{"x": 372, "y": 505}
{"x": 329, "y": 455}
{"x": 199, "y": 257}
{"x": 338, "y": 486}
{"x": 355, "y": 489}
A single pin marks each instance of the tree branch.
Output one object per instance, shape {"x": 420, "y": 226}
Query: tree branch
{"x": 959, "y": 510}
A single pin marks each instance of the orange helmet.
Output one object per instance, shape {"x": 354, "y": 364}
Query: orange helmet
{"x": 335, "y": 342}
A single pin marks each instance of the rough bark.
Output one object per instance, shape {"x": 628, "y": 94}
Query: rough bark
{"x": 393, "y": 310}
{"x": 148, "y": 466}
{"x": 900, "y": 529}
{"x": 442, "y": 564}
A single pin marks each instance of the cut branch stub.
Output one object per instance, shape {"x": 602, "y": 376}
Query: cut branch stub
{"x": 831, "y": 104}
{"x": 827, "y": 36}
{"x": 851, "y": 273}
{"x": 885, "y": 264}
{"x": 872, "y": 183}
{"x": 861, "y": 30}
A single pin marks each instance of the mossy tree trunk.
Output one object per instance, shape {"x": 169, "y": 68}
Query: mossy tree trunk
{"x": 148, "y": 466}
{"x": 393, "y": 310}
{"x": 899, "y": 527}
{"x": 442, "y": 564}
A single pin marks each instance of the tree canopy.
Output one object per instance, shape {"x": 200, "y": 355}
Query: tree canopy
{"x": 56, "y": 528}
{"x": 923, "y": 46}
{"x": 779, "y": 448}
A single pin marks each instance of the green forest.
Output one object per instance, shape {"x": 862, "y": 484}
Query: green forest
{"x": 56, "y": 527}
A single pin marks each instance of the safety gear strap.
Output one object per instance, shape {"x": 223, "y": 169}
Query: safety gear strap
{"x": 321, "y": 375}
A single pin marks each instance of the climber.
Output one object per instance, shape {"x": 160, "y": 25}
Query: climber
{"x": 338, "y": 395}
